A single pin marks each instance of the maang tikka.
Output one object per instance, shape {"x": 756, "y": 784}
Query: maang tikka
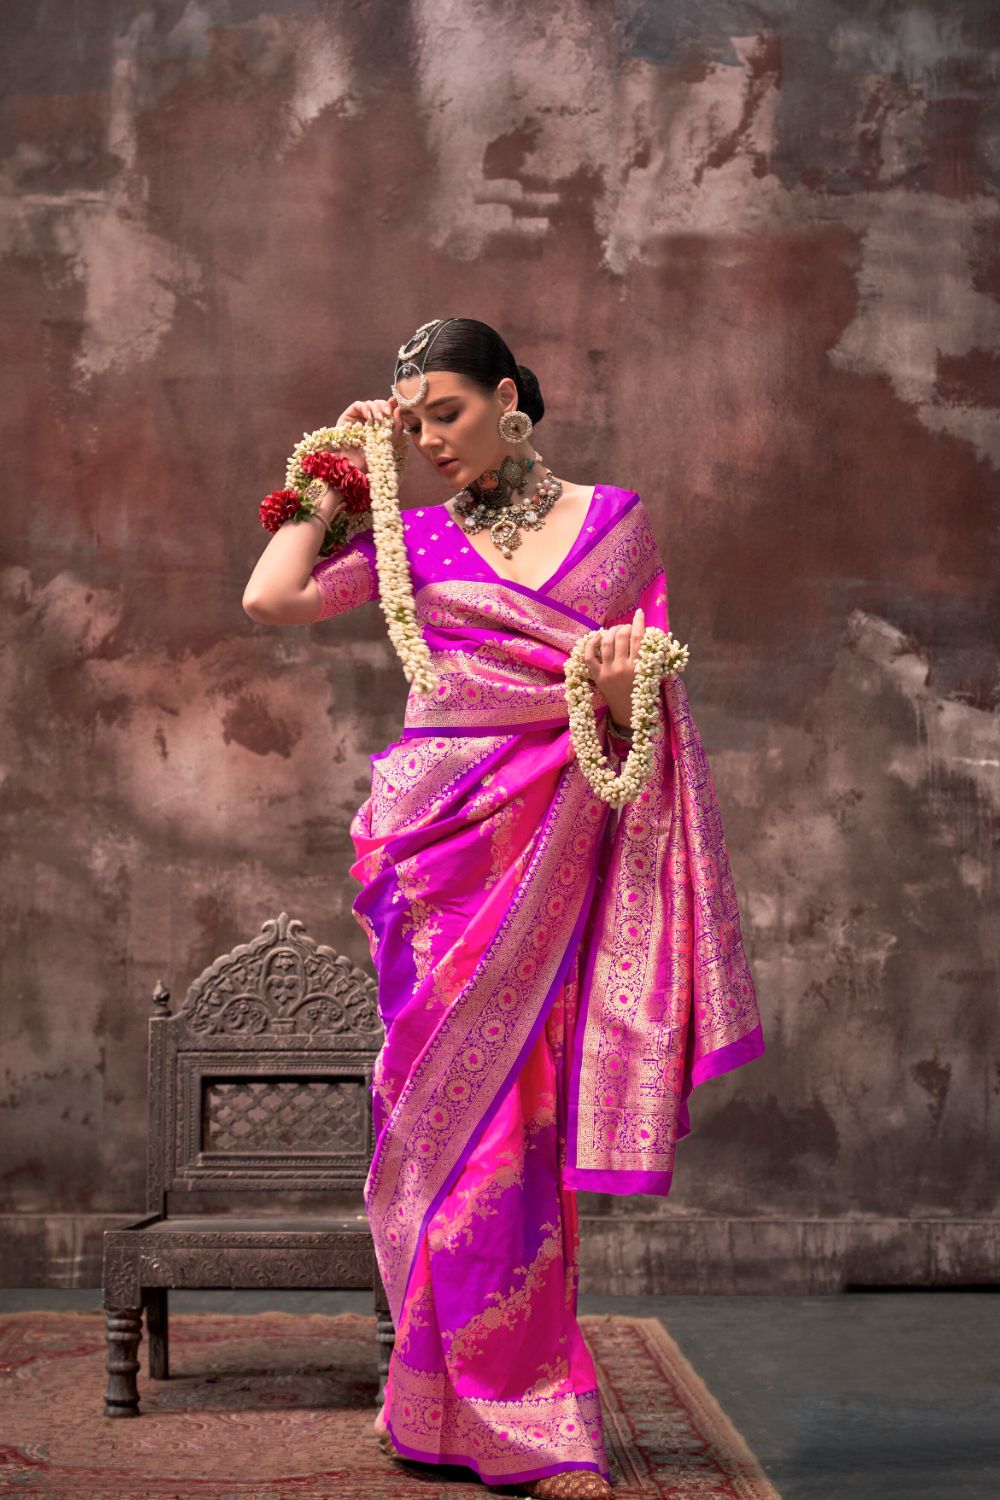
{"x": 405, "y": 365}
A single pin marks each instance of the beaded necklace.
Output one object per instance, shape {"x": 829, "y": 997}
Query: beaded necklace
{"x": 479, "y": 501}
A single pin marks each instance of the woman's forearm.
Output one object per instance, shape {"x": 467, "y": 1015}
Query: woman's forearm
{"x": 280, "y": 590}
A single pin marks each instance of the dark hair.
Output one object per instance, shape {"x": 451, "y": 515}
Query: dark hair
{"x": 475, "y": 350}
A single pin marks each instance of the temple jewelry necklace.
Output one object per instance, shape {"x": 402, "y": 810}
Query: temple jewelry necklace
{"x": 481, "y": 499}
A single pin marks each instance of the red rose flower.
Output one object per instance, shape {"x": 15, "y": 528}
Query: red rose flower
{"x": 346, "y": 478}
{"x": 277, "y": 507}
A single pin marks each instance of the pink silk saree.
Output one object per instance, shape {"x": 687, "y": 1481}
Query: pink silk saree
{"x": 554, "y": 978}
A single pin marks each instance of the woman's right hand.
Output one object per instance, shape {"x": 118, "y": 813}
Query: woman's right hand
{"x": 371, "y": 411}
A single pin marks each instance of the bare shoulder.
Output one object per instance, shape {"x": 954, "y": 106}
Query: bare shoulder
{"x": 579, "y": 493}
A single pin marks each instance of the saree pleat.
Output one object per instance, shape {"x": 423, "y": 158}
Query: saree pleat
{"x": 476, "y": 1229}
{"x": 489, "y": 1367}
{"x": 554, "y": 978}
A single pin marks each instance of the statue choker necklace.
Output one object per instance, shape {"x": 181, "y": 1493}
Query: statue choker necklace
{"x": 489, "y": 501}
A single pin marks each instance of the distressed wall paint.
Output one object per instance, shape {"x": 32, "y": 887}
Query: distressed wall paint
{"x": 753, "y": 253}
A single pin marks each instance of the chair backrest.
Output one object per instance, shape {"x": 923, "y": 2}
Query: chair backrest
{"x": 262, "y": 1081}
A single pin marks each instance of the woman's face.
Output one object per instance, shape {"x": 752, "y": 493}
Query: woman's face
{"x": 456, "y": 421}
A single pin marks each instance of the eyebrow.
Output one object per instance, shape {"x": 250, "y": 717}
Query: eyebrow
{"x": 440, "y": 400}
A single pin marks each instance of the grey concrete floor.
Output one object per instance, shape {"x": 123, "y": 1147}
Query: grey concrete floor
{"x": 876, "y": 1396}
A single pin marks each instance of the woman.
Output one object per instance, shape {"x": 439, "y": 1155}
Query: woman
{"x": 554, "y": 976}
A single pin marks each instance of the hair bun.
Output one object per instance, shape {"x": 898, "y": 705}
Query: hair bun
{"x": 531, "y": 399}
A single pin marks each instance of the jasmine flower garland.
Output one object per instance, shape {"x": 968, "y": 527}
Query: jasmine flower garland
{"x": 660, "y": 655}
{"x": 395, "y": 584}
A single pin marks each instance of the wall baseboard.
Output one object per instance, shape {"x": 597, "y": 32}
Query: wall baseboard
{"x": 636, "y": 1255}
{"x": 690, "y": 1256}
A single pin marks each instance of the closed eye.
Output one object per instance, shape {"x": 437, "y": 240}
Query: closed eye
{"x": 449, "y": 418}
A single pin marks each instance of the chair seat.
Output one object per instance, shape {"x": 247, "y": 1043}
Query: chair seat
{"x": 263, "y": 1224}
{"x": 252, "y": 1251}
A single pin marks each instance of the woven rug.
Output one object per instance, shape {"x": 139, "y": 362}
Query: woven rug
{"x": 276, "y": 1406}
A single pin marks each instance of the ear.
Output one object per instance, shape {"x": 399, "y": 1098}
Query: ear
{"x": 507, "y": 392}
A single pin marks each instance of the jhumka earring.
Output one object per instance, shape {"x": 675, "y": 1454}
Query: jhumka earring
{"x": 514, "y": 426}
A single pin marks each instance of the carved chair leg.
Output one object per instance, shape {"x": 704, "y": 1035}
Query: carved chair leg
{"x": 158, "y": 1332}
{"x": 385, "y": 1331}
{"x": 124, "y": 1330}
{"x": 385, "y": 1334}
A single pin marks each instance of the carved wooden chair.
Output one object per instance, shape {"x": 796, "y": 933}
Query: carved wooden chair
{"x": 258, "y": 1090}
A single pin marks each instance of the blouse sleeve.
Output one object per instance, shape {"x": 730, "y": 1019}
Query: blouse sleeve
{"x": 653, "y": 594}
{"x": 348, "y": 576}
{"x": 646, "y": 578}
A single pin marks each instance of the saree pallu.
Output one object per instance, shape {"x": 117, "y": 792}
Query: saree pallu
{"x": 554, "y": 978}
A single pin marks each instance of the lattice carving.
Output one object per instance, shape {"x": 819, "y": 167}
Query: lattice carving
{"x": 284, "y": 983}
{"x": 283, "y": 1115}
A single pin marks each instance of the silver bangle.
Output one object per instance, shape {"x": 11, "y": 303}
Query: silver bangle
{"x": 309, "y": 515}
{"x": 314, "y": 515}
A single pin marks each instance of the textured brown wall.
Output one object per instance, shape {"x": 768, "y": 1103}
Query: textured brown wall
{"x": 753, "y": 253}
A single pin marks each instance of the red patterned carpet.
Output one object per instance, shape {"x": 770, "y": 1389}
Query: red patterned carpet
{"x": 274, "y": 1406}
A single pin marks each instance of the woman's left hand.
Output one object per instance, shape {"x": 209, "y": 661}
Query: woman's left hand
{"x": 611, "y": 659}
